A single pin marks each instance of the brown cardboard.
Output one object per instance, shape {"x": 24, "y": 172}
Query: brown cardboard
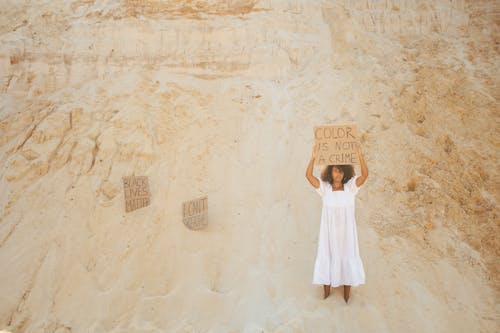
{"x": 195, "y": 213}
{"x": 136, "y": 191}
{"x": 336, "y": 144}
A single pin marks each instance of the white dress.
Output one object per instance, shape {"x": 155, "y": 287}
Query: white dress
{"x": 337, "y": 260}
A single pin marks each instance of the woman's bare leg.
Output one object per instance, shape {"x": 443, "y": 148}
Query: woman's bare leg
{"x": 326, "y": 289}
{"x": 347, "y": 289}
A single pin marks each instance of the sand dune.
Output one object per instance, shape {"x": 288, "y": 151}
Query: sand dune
{"x": 219, "y": 98}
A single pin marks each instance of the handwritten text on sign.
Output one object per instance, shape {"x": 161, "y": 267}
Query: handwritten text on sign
{"x": 137, "y": 193}
{"x": 195, "y": 213}
{"x": 336, "y": 144}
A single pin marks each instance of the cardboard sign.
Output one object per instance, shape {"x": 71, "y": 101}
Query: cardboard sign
{"x": 336, "y": 144}
{"x": 195, "y": 213}
{"x": 136, "y": 191}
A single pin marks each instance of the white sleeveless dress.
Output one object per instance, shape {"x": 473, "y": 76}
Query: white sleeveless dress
{"x": 338, "y": 261}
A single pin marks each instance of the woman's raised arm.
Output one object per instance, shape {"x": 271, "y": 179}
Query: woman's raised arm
{"x": 309, "y": 172}
{"x": 364, "y": 169}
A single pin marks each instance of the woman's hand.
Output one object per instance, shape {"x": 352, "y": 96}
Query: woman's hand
{"x": 358, "y": 148}
{"x": 364, "y": 169}
{"x": 309, "y": 171}
{"x": 313, "y": 154}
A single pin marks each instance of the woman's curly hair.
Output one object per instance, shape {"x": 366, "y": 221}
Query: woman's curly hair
{"x": 326, "y": 174}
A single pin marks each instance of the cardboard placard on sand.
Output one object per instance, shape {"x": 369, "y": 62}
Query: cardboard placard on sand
{"x": 137, "y": 195}
{"x": 336, "y": 144}
{"x": 195, "y": 213}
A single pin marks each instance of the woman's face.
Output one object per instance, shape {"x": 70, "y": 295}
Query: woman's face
{"x": 337, "y": 175}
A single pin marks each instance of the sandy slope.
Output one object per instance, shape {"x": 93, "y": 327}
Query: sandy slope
{"x": 219, "y": 98}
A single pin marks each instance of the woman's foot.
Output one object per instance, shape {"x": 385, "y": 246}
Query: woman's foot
{"x": 326, "y": 289}
{"x": 347, "y": 289}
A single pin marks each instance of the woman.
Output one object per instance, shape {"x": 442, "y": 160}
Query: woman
{"x": 337, "y": 260}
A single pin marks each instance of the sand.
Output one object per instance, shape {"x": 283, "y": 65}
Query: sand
{"x": 219, "y": 99}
